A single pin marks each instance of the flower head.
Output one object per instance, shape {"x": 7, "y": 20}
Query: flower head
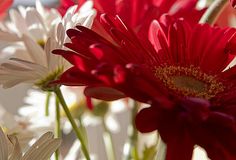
{"x": 32, "y": 34}
{"x": 22, "y": 128}
{"x": 183, "y": 75}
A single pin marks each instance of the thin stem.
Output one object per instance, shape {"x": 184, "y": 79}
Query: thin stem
{"x": 72, "y": 121}
{"x": 107, "y": 137}
{"x": 212, "y": 13}
{"x": 58, "y": 126}
{"x": 132, "y": 149}
{"x": 83, "y": 130}
{"x": 47, "y": 103}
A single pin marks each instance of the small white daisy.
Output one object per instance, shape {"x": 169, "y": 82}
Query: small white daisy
{"x": 34, "y": 110}
{"x": 22, "y": 128}
{"x": 31, "y": 35}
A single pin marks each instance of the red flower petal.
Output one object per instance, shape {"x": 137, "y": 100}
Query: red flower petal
{"x": 179, "y": 146}
{"x": 145, "y": 124}
{"x": 104, "y": 93}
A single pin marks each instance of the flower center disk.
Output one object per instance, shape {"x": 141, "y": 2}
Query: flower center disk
{"x": 189, "y": 81}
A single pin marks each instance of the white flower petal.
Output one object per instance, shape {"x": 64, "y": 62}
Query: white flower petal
{"x": 16, "y": 153}
{"x": 61, "y": 34}
{"x": 22, "y": 10}
{"x": 33, "y": 18}
{"x": 199, "y": 154}
{"x": 48, "y": 149}
{"x": 89, "y": 20}
{"x": 88, "y": 5}
{"x": 52, "y": 60}
{"x": 19, "y": 22}
{"x": 8, "y": 37}
{"x": 39, "y": 7}
{"x": 43, "y": 148}
{"x": 36, "y": 52}
{"x": 3, "y": 144}
{"x": 43, "y": 139}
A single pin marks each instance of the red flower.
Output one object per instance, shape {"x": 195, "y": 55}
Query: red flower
{"x": 183, "y": 77}
{"x": 65, "y": 4}
{"x": 4, "y": 4}
{"x": 138, "y": 14}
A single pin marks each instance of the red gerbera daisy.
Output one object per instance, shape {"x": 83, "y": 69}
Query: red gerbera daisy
{"x": 138, "y": 14}
{"x": 183, "y": 77}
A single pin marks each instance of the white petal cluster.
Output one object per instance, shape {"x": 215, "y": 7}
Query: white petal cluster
{"x": 34, "y": 110}
{"x": 23, "y": 128}
{"x": 42, "y": 149}
{"x": 29, "y": 38}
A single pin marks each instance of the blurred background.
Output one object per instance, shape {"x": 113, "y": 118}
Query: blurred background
{"x": 32, "y": 2}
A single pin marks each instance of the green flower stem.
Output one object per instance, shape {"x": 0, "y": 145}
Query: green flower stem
{"x": 58, "y": 126}
{"x": 212, "y": 13}
{"x": 133, "y": 136}
{"x": 72, "y": 121}
{"x": 49, "y": 94}
{"x": 83, "y": 130}
{"x": 107, "y": 137}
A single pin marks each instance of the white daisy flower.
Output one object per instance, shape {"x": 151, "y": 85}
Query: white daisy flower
{"x": 34, "y": 110}
{"x": 31, "y": 35}
{"x": 42, "y": 149}
{"x": 24, "y": 130}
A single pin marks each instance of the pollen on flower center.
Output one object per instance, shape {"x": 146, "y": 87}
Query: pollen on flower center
{"x": 189, "y": 81}
{"x": 41, "y": 43}
{"x": 44, "y": 82}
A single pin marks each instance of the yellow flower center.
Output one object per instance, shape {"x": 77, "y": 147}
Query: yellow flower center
{"x": 189, "y": 81}
{"x": 44, "y": 83}
{"x": 41, "y": 43}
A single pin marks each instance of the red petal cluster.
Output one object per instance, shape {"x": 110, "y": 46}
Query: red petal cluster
{"x": 126, "y": 67}
{"x": 65, "y": 4}
{"x": 138, "y": 14}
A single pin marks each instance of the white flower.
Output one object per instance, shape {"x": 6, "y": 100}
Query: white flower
{"x": 42, "y": 149}
{"x": 34, "y": 110}
{"x": 31, "y": 35}
{"x": 24, "y": 130}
